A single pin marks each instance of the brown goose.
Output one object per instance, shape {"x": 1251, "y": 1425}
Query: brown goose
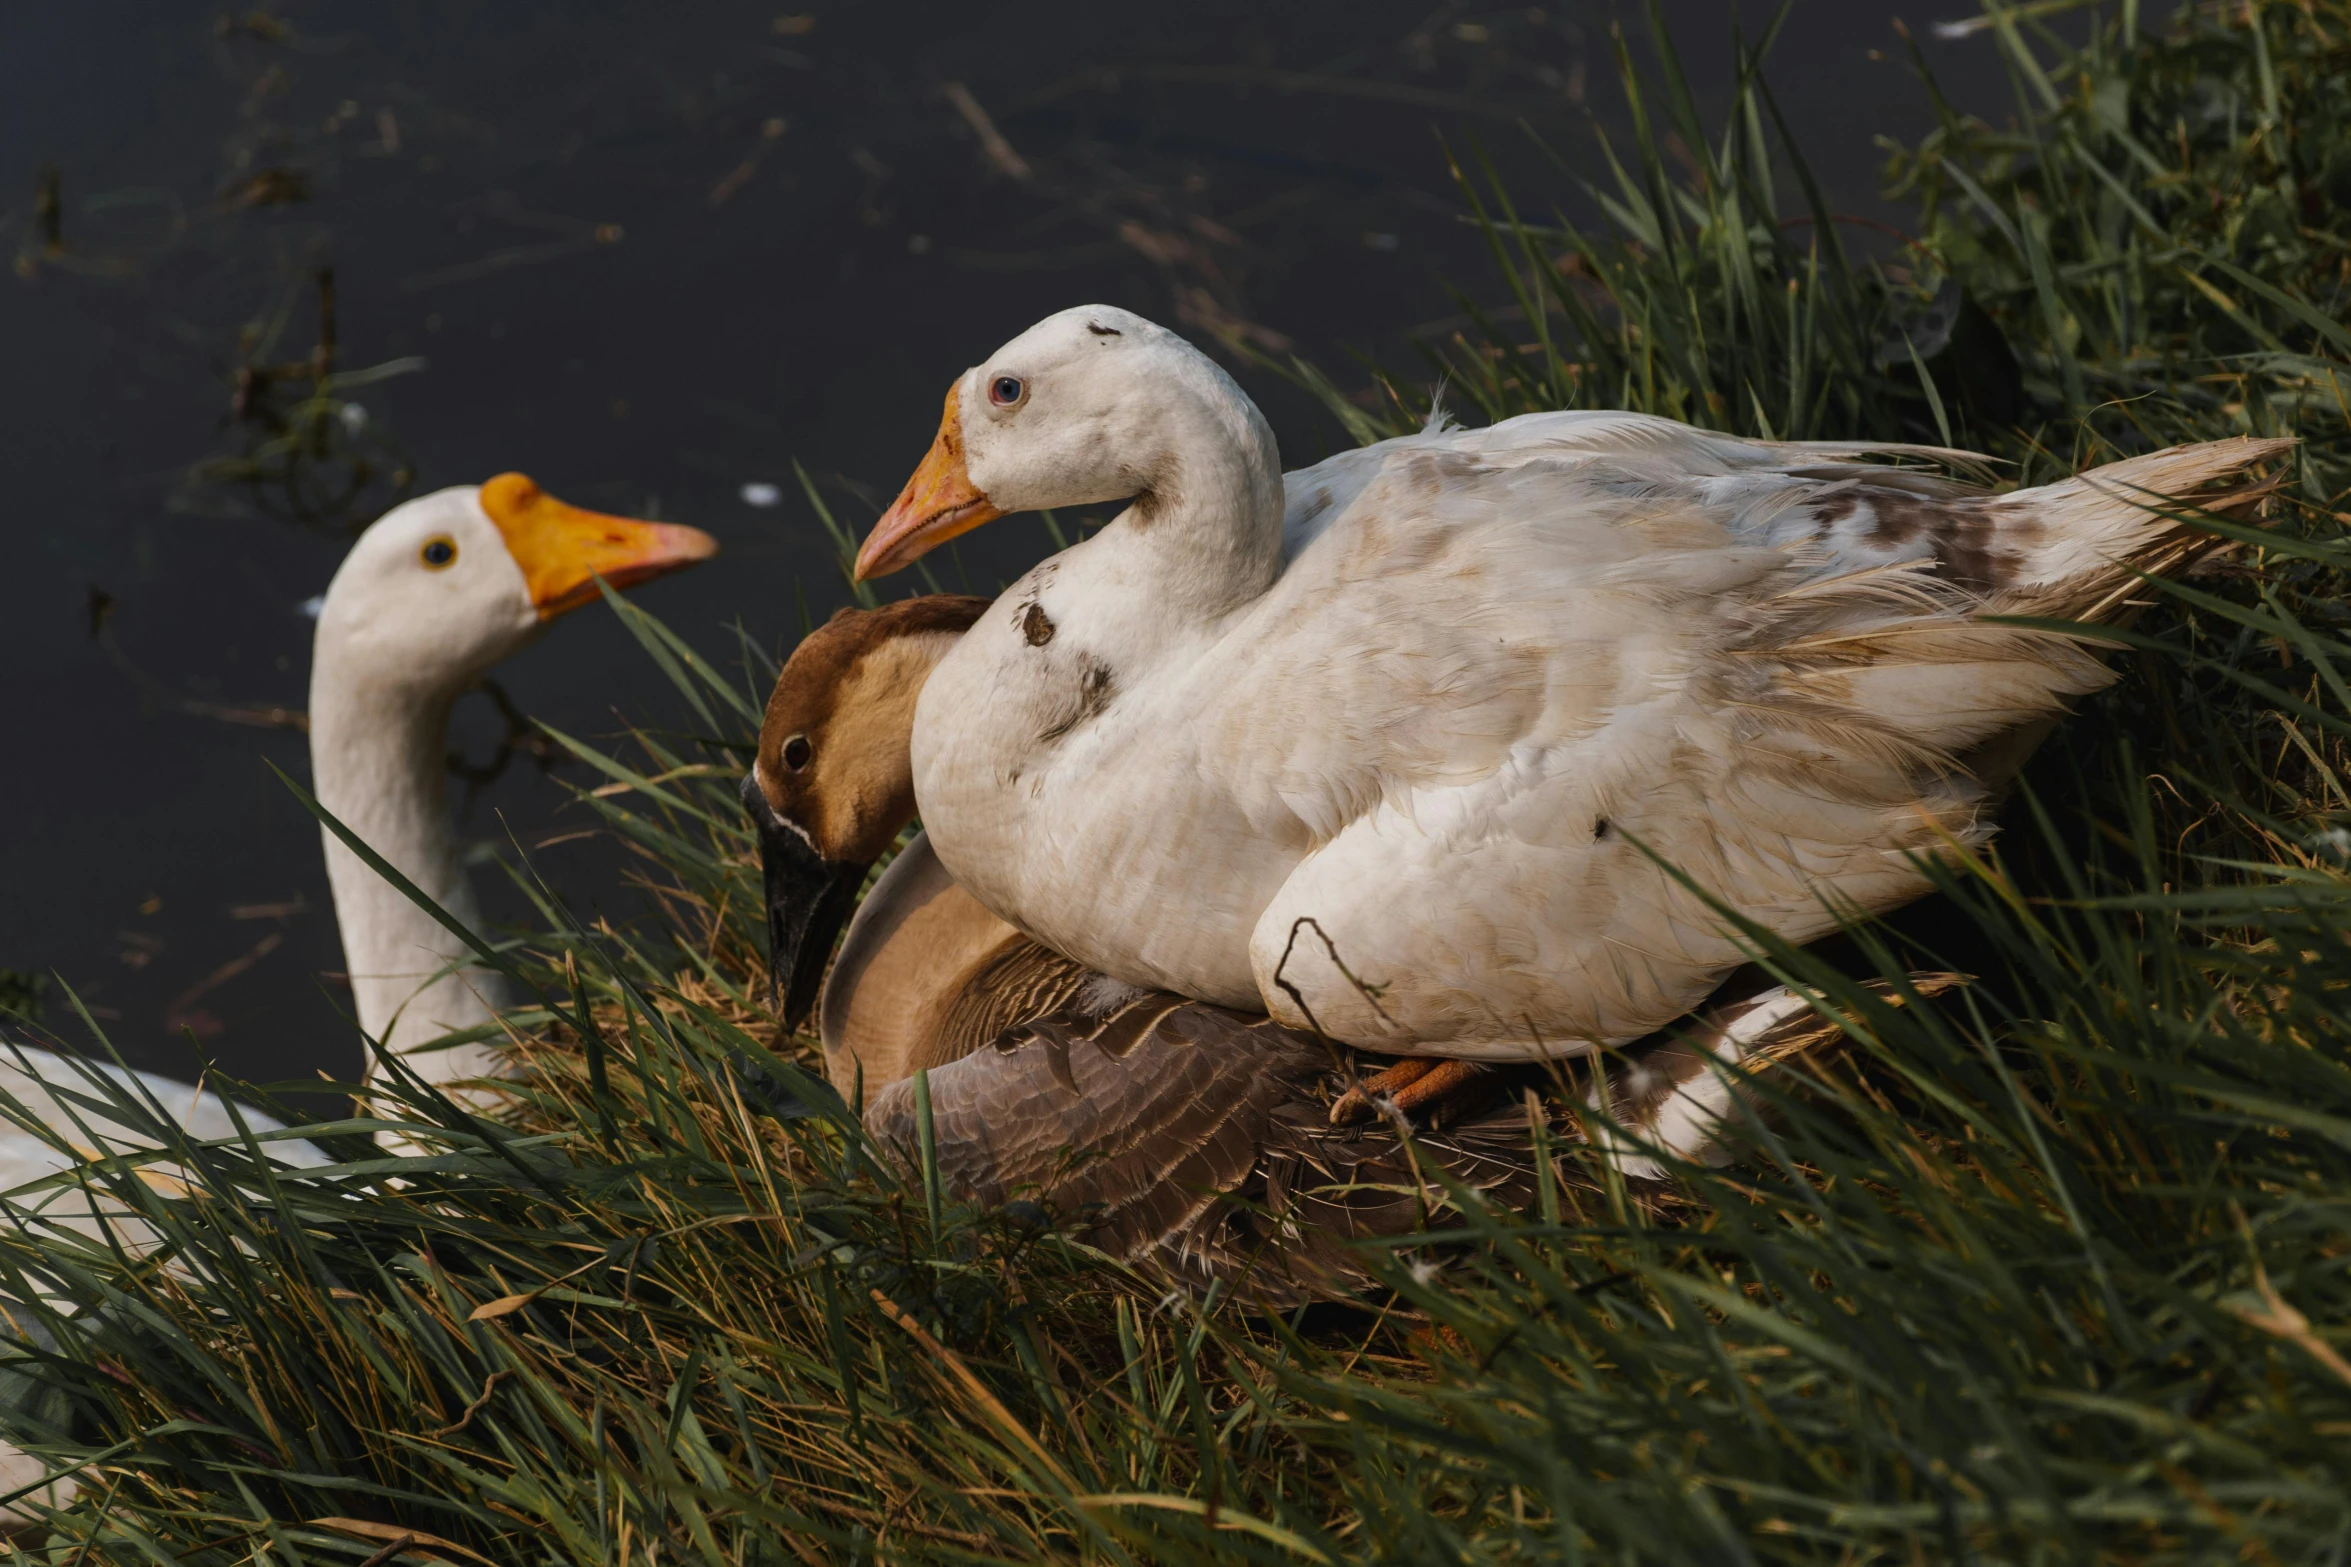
{"x": 1192, "y": 1140}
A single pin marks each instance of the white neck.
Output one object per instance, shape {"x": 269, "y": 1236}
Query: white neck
{"x": 376, "y": 748}
{"x": 1205, "y": 536}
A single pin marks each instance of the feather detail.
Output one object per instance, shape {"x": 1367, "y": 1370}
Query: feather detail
{"x": 1194, "y": 1142}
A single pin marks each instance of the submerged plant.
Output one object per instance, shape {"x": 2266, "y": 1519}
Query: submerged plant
{"x": 23, "y": 994}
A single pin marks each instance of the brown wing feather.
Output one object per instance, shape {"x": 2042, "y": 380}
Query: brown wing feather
{"x": 1025, "y": 982}
{"x": 1194, "y": 1141}
{"x": 1131, "y": 1121}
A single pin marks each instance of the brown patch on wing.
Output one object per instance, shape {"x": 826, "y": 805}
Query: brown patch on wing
{"x": 1973, "y": 543}
{"x": 1428, "y": 475}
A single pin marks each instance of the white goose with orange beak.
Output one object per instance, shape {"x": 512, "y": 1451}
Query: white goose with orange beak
{"x": 1412, "y": 763}
{"x": 434, "y": 594}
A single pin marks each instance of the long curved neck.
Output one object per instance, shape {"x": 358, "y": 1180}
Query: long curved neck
{"x": 1205, "y": 535}
{"x": 376, "y": 745}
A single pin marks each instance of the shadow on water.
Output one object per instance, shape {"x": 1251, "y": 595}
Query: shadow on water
{"x": 275, "y": 268}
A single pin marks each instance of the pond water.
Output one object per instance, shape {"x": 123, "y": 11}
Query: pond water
{"x": 652, "y": 256}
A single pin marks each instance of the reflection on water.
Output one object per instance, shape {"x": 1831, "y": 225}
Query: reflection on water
{"x": 275, "y": 268}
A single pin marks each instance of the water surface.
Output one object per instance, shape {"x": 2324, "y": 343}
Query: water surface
{"x": 651, "y": 256}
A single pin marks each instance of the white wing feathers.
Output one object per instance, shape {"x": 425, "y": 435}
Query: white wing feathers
{"x": 1500, "y": 656}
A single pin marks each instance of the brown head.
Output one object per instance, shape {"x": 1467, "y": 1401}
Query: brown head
{"x": 834, "y": 780}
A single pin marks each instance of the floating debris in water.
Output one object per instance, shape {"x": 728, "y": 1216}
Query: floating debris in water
{"x": 283, "y": 908}
{"x": 761, "y": 494}
{"x": 268, "y": 188}
{"x": 297, "y": 449}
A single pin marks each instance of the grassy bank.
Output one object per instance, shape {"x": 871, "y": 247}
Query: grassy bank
{"x": 2057, "y": 1267}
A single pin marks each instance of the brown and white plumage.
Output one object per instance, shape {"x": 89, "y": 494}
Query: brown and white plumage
{"x": 1194, "y": 1141}
{"x": 1454, "y": 698}
{"x": 1191, "y": 1140}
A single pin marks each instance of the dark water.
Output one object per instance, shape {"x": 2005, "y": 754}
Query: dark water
{"x": 649, "y": 255}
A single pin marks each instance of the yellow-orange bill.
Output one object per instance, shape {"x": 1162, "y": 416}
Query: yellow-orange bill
{"x": 562, "y": 550}
{"x": 939, "y": 503}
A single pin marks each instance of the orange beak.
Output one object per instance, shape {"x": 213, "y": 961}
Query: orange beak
{"x": 562, "y": 550}
{"x": 939, "y": 503}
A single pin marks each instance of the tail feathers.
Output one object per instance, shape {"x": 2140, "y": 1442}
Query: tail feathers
{"x": 2084, "y": 539}
{"x": 1944, "y": 686}
{"x": 1671, "y": 1102}
{"x": 1908, "y": 652}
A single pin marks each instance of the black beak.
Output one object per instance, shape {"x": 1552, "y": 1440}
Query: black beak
{"x": 809, "y": 899}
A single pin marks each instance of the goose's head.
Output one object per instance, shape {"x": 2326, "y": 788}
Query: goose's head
{"x": 1088, "y": 406}
{"x": 444, "y": 586}
{"x": 834, "y": 780}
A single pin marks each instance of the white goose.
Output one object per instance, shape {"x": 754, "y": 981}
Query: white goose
{"x": 1428, "y": 732}
{"x": 436, "y": 592}
{"x": 433, "y": 595}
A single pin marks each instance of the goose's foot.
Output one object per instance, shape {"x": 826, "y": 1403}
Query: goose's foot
{"x": 1415, "y": 1085}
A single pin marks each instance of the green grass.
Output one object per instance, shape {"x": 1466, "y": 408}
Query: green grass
{"x": 2056, "y": 1268}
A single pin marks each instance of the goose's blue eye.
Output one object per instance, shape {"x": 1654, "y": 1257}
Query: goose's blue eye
{"x": 1006, "y": 390}
{"x": 438, "y": 553}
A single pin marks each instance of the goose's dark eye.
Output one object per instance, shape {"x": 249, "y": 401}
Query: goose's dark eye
{"x": 1006, "y": 390}
{"x": 438, "y": 553}
{"x": 796, "y": 752}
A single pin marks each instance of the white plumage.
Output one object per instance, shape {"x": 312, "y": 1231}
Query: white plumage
{"x": 432, "y": 595}
{"x": 1436, "y": 709}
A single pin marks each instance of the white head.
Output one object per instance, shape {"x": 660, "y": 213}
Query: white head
{"x": 444, "y": 586}
{"x": 1091, "y": 405}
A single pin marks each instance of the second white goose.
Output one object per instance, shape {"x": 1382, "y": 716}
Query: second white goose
{"x": 1414, "y": 768}
{"x": 435, "y": 593}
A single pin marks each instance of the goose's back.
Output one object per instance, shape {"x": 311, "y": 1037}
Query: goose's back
{"x": 1521, "y": 703}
